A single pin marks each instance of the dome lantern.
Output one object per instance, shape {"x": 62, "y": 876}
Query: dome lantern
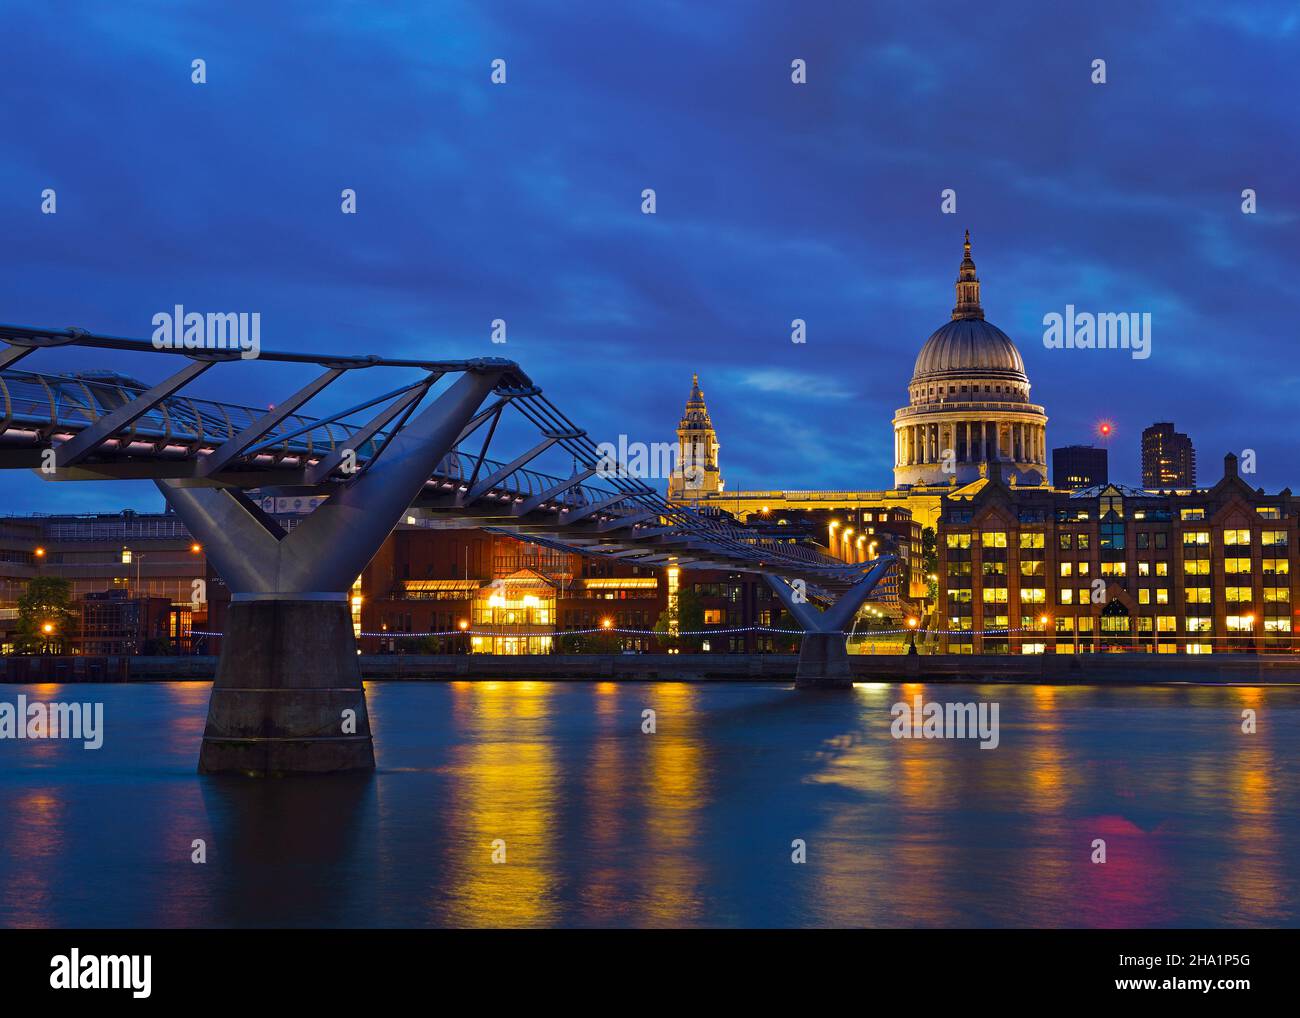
{"x": 968, "y": 288}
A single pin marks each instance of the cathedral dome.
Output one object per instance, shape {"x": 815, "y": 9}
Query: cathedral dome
{"x": 968, "y": 402}
{"x": 967, "y": 347}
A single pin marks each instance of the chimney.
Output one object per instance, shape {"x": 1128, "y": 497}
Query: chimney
{"x": 1230, "y": 465}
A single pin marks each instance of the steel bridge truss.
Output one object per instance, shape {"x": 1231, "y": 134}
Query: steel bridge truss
{"x": 101, "y": 425}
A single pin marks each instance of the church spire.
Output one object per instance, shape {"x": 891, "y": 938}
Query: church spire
{"x": 968, "y": 287}
{"x": 696, "y": 474}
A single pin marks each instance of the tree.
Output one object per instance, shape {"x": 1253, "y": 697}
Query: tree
{"x": 158, "y": 646}
{"x": 46, "y": 620}
{"x": 930, "y": 562}
{"x": 788, "y": 642}
{"x": 686, "y": 617}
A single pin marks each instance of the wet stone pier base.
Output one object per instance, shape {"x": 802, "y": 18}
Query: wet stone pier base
{"x": 823, "y": 662}
{"x": 288, "y": 674}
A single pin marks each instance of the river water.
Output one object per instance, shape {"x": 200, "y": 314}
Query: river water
{"x": 603, "y": 824}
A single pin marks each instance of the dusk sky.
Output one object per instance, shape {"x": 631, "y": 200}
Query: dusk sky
{"x": 776, "y": 201}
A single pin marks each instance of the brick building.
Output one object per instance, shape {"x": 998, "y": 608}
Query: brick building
{"x": 1112, "y": 568}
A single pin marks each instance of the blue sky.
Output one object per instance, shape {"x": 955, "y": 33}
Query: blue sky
{"x": 775, "y": 201}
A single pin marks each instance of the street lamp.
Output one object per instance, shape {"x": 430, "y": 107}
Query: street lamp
{"x": 128, "y": 556}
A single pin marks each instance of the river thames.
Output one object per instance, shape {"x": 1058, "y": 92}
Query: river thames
{"x": 603, "y": 824}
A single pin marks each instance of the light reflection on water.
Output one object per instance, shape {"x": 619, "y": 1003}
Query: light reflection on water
{"x": 602, "y": 824}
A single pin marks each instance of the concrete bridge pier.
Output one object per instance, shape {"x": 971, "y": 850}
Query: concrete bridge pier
{"x": 288, "y": 696}
{"x": 823, "y": 652}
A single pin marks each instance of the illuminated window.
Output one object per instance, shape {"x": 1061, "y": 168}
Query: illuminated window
{"x": 1236, "y": 537}
{"x": 994, "y": 539}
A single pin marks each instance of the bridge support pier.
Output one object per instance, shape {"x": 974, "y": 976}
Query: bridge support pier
{"x": 823, "y": 654}
{"x": 823, "y": 662}
{"x": 285, "y": 704}
{"x": 288, "y": 696}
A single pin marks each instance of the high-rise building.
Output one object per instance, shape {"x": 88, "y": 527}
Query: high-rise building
{"x": 1078, "y": 466}
{"x": 696, "y": 474}
{"x": 968, "y": 402}
{"x": 1168, "y": 458}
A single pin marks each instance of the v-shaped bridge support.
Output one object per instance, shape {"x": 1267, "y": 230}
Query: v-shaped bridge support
{"x": 823, "y": 656}
{"x": 288, "y": 696}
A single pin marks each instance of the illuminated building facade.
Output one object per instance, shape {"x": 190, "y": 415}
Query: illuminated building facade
{"x": 118, "y": 559}
{"x": 1112, "y": 568}
{"x": 492, "y": 594}
{"x": 1168, "y": 459}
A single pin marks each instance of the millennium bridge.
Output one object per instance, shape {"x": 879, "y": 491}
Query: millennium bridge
{"x": 413, "y": 439}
